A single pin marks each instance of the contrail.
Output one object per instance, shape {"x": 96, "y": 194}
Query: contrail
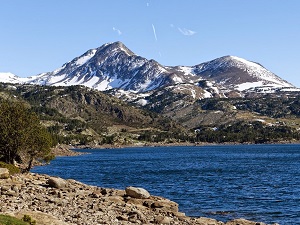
{"x": 117, "y": 30}
{"x": 186, "y": 32}
{"x": 154, "y": 32}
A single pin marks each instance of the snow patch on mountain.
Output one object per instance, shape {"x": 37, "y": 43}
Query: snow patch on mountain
{"x": 92, "y": 82}
{"x": 290, "y": 89}
{"x": 207, "y": 94}
{"x": 102, "y": 86}
{"x": 9, "y": 78}
{"x": 249, "y": 85}
{"x": 259, "y": 71}
{"x": 116, "y": 82}
{"x": 187, "y": 70}
{"x": 142, "y": 102}
{"x": 55, "y": 79}
{"x": 177, "y": 79}
{"x": 83, "y": 59}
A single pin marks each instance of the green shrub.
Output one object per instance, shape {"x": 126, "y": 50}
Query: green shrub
{"x": 28, "y": 219}
{"x": 11, "y": 168}
{"x": 9, "y": 220}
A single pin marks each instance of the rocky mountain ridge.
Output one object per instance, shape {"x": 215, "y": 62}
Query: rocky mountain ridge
{"x": 115, "y": 67}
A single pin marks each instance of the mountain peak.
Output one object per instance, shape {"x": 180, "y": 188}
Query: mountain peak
{"x": 114, "y": 66}
{"x": 115, "y": 46}
{"x": 235, "y": 72}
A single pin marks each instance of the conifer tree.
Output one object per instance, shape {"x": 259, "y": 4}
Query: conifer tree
{"x": 21, "y": 134}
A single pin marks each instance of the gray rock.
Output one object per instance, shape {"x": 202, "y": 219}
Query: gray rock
{"x": 163, "y": 220}
{"x": 56, "y": 182}
{"x": 4, "y": 173}
{"x": 136, "y": 192}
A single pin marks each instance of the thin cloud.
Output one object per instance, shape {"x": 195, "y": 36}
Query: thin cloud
{"x": 117, "y": 30}
{"x": 186, "y": 32}
{"x": 154, "y": 32}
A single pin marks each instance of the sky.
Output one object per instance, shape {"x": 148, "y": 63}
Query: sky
{"x": 40, "y": 36}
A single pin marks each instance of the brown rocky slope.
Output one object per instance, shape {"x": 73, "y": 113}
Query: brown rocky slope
{"x": 55, "y": 201}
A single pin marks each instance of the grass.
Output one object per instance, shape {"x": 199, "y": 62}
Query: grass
{"x": 9, "y": 220}
{"x": 12, "y": 168}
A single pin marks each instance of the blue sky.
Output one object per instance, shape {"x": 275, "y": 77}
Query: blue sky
{"x": 39, "y": 36}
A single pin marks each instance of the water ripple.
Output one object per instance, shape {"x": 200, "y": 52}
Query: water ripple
{"x": 256, "y": 182}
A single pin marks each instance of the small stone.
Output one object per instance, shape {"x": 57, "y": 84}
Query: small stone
{"x": 166, "y": 204}
{"x": 103, "y": 191}
{"x": 163, "y": 220}
{"x": 5, "y": 188}
{"x": 124, "y": 218}
{"x": 204, "y": 220}
{"x": 15, "y": 188}
{"x": 4, "y": 173}
{"x": 179, "y": 214}
{"x": 10, "y": 193}
{"x": 95, "y": 194}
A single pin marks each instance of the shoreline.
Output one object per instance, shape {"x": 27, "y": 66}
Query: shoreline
{"x": 55, "y": 201}
{"x": 71, "y": 150}
{"x": 190, "y": 219}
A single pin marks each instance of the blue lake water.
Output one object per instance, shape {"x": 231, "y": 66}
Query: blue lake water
{"x": 255, "y": 182}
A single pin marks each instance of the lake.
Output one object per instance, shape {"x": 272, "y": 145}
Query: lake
{"x": 255, "y": 182}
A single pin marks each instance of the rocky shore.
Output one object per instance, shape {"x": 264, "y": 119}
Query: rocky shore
{"x": 55, "y": 201}
{"x": 64, "y": 150}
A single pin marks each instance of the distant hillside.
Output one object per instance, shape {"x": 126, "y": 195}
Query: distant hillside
{"x": 82, "y": 116}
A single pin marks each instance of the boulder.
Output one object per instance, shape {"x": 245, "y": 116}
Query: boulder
{"x": 136, "y": 192}
{"x": 243, "y": 222}
{"x": 204, "y": 220}
{"x": 163, "y": 220}
{"x": 166, "y": 205}
{"x": 4, "y": 173}
{"x": 56, "y": 182}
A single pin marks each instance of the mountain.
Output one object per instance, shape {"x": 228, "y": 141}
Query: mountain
{"x": 9, "y": 78}
{"x": 114, "y": 67}
{"x": 109, "y": 66}
{"x": 240, "y": 74}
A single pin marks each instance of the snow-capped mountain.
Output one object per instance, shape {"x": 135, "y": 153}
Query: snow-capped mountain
{"x": 114, "y": 67}
{"x": 9, "y": 78}
{"x": 240, "y": 74}
{"x": 109, "y": 66}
